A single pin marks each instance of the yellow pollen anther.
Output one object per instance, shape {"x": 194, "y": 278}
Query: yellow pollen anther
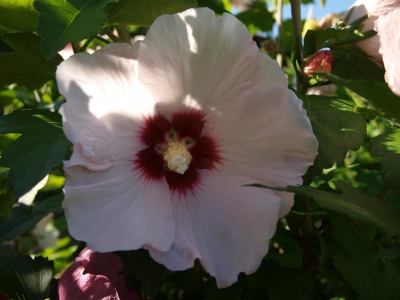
{"x": 177, "y": 157}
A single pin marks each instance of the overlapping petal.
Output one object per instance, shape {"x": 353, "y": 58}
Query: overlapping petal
{"x": 225, "y": 225}
{"x": 95, "y": 276}
{"x": 105, "y": 105}
{"x": 388, "y": 27}
{"x": 206, "y": 62}
{"x": 277, "y": 124}
{"x": 116, "y": 208}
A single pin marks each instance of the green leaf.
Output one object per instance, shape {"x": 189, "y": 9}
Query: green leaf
{"x": 65, "y": 21}
{"x": 139, "y": 12}
{"x": 285, "y": 251}
{"x": 362, "y": 271}
{"x": 285, "y": 283}
{"x": 337, "y": 128}
{"x": 214, "y": 5}
{"x": 336, "y": 37}
{"x": 351, "y": 203}
{"x": 257, "y": 18}
{"x": 388, "y": 147}
{"x": 41, "y": 147}
{"x": 23, "y": 217}
{"x": 356, "y": 66}
{"x": 27, "y": 65}
{"x": 309, "y": 43}
{"x": 17, "y": 16}
{"x": 26, "y": 277}
{"x": 145, "y": 268}
{"x": 377, "y": 93}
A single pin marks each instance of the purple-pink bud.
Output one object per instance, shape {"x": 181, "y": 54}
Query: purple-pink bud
{"x": 95, "y": 275}
{"x": 320, "y": 61}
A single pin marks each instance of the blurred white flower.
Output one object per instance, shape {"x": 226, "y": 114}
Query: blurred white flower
{"x": 374, "y": 8}
{"x": 165, "y": 135}
{"x": 388, "y": 27}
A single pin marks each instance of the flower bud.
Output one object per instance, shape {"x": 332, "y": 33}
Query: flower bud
{"x": 95, "y": 275}
{"x": 320, "y": 61}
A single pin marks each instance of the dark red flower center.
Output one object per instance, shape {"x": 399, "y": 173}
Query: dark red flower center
{"x": 186, "y": 126}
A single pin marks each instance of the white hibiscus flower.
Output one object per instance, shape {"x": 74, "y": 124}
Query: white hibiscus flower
{"x": 165, "y": 135}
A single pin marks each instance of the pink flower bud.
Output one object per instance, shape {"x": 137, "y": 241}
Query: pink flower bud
{"x": 320, "y": 61}
{"x": 95, "y": 275}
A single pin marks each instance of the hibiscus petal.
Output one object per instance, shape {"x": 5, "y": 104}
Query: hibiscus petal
{"x": 210, "y": 61}
{"x": 117, "y": 208}
{"x": 106, "y": 105}
{"x": 389, "y": 36}
{"x": 77, "y": 285}
{"x": 276, "y": 145}
{"x": 225, "y": 225}
{"x": 109, "y": 265}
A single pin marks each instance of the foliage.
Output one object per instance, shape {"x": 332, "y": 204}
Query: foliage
{"x": 342, "y": 237}
{"x": 42, "y": 142}
{"x": 25, "y": 277}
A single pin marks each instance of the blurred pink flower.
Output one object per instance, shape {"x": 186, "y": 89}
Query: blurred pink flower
{"x": 165, "y": 135}
{"x": 3, "y": 296}
{"x": 388, "y": 27}
{"x": 320, "y": 61}
{"x": 375, "y": 8}
{"x": 95, "y": 276}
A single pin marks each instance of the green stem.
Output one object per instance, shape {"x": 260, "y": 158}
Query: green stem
{"x": 123, "y": 33}
{"x": 297, "y": 30}
{"x": 110, "y": 34}
{"x": 384, "y": 192}
{"x": 297, "y": 25}
{"x": 101, "y": 39}
{"x": 84, "y": 47}
{"x": 76, "y": 47}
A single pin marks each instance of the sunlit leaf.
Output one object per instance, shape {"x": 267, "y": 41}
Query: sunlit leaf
{"x": 361, "y": 269}
{"x": 17, "y": 16}
{"x": 139, "y": 12}
{"x": 26, "y": 66}
{"x": 41, "y": 147}
{"x": 377, "y": 93}
{"x": 257, "y": 18}
{"x": 336, "y": 37}
{"x": 388, "y": 147}
{"x": 356, "y": 66}
{"x": 54, "y": 182}
{"x": 336, "y": 127}
{"x": 23, "y": 218}
{"x": 26, "y": 277}
{"x": 65, "y": 21}
{"x": 145, "y": 268}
